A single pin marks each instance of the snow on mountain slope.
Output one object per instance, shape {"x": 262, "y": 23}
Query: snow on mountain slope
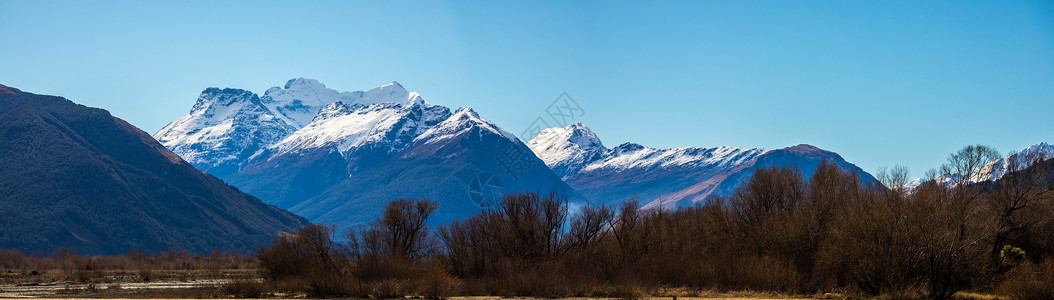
{"x": 629, "y": 155}
{"x": 996, "y": 169}
{"x": 392, "y": 92}
{"x": 300, "y": 100}
{"x": 441, "y": 165}
{"x": 463, "y": 120}
{"x": 1041, "y": 151}
{"x": 349, "y": 126}
{"x": 223, "y": 129}
{"x": 228, "y": 127}
{"x": 630, "y": 170}
{"x": 663, "y": 177}
{"x": 567, "y": 150}
{"x": 577, "y": 149}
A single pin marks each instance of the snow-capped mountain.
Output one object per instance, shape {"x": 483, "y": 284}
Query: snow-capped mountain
{"x": 568, "y": 150}
{"x": 576, "y": 149}
{"x": 461, "y": 122}
{"x": 338, "y": 157}
{"x": 1018, "y": 160}
{"x": 223, "y": 129}
{"x": 661, "y": 177}
{"x": 441, "y": 165}
{"x": 228, "y": 127}
{"x": 301, "y": 99}
{"x": 997, "y": 169}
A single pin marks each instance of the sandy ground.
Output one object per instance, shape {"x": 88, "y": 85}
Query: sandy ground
{"x": 106, "y": 290}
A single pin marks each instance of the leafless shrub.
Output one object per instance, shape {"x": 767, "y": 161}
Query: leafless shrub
{"x": 245, "y": 288}
{"x": 389, "y": 289}
{"x": 438, "y": 284}
{"x": 1029, "y": 281}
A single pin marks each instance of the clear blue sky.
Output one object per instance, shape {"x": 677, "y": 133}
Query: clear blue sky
{"x": 880, "y": 82}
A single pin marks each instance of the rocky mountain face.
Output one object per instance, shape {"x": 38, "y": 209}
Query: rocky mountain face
{"x": 77, "y": 177}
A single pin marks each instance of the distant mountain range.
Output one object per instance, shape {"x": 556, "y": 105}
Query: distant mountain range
{"x": 664, "y": 177}
{"x": 338, "y": 157}
{"x": 77, "y": 177}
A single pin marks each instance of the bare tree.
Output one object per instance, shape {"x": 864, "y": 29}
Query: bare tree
{"x": 969, "y": 164}
{"x": 895, "y": 178}
{"x": 588, "y": 226}
{"x": 401, "y": 231}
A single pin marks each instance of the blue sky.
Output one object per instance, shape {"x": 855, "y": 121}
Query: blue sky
{"x": 880, "y": 82}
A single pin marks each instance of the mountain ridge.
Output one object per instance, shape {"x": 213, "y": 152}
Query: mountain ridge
{"x": 663, "y": 177}
{"x": 81, "y": 178}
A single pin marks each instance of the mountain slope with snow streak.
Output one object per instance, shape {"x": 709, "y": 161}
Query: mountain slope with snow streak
{"x": 663, "y": 178}
{"x": 630, "y": 170}
{"x": 995, "y": 170}
{"x": 347, "y": 127}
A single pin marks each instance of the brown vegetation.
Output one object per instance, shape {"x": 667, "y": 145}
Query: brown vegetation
{"x": 778, "y": 233}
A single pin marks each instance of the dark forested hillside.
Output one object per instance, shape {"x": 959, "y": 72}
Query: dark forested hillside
{"x": 78, "y": 177}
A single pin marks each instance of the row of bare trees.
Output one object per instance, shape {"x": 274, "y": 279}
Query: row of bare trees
{"x": 778, "y": 232}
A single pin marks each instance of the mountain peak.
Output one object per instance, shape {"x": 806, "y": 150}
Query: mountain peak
{"x": 224, "y": 97}
{"x": 391, "y": 92}
{"x": 567, "y": 149}
{"x": 463, "y": 120}
{"x": 1042, "y": 147}
{"x": 573, "y": 136}
{"x": 1017, "y": 160}
{"x": 303, "y": 82}
{"x": 804, "y": 149}
{"x": 301, "y": 98}
{"x": 627, "y": 147}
